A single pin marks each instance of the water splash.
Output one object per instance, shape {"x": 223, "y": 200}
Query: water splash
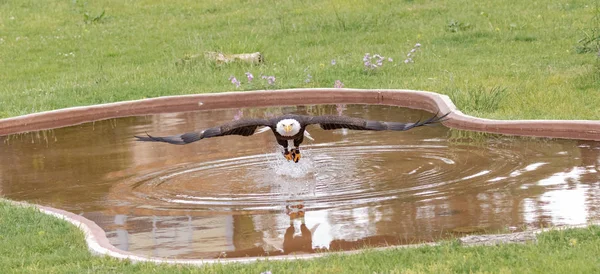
{"x": 293, "y": 180}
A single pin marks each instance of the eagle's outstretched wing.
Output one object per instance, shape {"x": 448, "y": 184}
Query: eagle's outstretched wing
{"x": 335, "y": 122}
{"x": 240, "y": 127}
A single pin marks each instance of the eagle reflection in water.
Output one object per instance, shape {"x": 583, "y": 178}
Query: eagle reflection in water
{"x": 303, "y": 243}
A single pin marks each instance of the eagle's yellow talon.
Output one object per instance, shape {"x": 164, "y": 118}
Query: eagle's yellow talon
{"x": 288, "y": 156}
{"x": 296, "y": 156}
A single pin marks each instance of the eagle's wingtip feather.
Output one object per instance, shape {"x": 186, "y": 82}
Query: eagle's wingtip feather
{"x": 143, "y": 138}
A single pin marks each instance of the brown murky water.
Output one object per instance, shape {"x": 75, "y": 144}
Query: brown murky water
{"x": 237, "y": 196}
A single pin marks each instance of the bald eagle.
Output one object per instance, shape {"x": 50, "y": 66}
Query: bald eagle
{"x": 289, "y": 129}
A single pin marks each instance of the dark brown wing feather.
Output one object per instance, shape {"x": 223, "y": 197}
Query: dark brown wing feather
{"x": 336, "y": 122}
{"x": 240, "y": 127}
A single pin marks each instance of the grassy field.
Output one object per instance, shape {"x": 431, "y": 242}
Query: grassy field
{"x": 31, "y": 242}
{"x": 501, "y": 59}
{"x": 497, "y": 59}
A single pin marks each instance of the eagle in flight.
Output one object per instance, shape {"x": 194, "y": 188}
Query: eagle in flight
{"x": 289, "y": 129}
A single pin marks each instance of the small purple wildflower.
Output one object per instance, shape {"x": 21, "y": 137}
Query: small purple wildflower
{"x": 390, "y": 59}
{"x": 412, "y": 54}
{"x": 375, "y": 61}
{"x": 333, "y": 62}
{"x": 308, "y": 78}
{"x": 234, "y": 81}
{"x": 266, "y": 272}
{"x": 270, "y": 79}
{"x": 367, "y": 57}
{"x": 249, "y": 76}
{"x": 338, "y": 84}
{"x": 367, "y": 61}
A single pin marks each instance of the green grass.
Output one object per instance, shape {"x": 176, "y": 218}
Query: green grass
{"x": 496, "y": 59}
{"x": 31, "y": 242}
{"x": 58, "y": 54}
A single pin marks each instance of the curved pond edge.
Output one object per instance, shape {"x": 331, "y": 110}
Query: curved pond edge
{"x": 424, "y": 100}
{"x": 99, "y": 245}
{"x": 96, "y": 239}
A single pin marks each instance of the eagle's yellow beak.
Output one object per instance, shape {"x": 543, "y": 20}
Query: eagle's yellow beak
{"x": 287, "y": 128}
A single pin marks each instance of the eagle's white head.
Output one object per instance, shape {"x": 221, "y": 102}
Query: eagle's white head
{"x": 288, "y": 127}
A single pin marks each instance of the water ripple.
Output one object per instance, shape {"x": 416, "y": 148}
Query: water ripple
{"x": 328, "y": 176}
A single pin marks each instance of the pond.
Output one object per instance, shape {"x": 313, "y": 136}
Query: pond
{"x": 237, "y": 196}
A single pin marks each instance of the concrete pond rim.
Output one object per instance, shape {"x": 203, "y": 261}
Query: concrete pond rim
{"x": 96, "y": 238}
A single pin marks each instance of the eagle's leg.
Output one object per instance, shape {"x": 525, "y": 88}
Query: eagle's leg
{"x": 286, "y": 153}
{"x": 296, "y": 150}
